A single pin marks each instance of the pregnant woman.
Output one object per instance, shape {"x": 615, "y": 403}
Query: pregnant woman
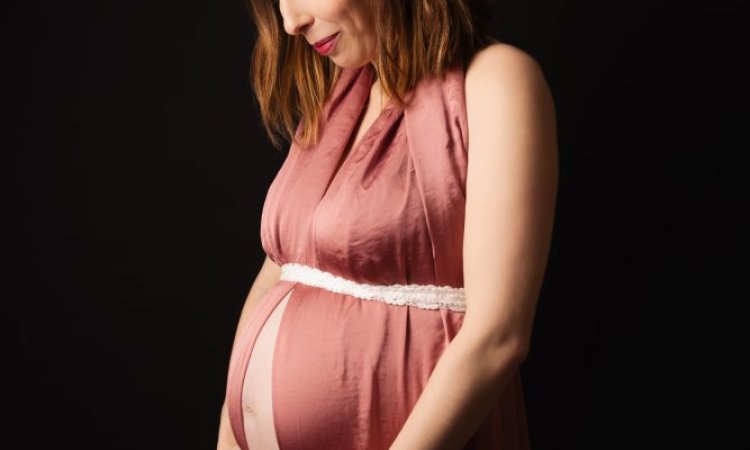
{"x": 406, "y": 233}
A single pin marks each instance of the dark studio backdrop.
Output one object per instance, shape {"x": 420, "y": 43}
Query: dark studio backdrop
{"x": 136, "y": 170}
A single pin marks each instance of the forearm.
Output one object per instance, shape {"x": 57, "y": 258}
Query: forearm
{"x": 464, "y": 386}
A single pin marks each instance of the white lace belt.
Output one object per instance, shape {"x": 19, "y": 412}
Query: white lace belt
{"x": 426, "y": 296}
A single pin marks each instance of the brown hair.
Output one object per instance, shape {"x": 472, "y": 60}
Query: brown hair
{"x": 416, "y": 39}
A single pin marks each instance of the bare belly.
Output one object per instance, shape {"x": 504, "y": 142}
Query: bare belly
{"x": 257, "y": 406}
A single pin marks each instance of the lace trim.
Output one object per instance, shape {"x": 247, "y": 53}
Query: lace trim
{"x": 425, "y": 296}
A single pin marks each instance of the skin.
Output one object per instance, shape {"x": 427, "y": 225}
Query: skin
{"x": 317, "y": 19}
{"x": 268, "y": 275}
{"x": 511, "y": 189}
{"x": 356, "y": 45}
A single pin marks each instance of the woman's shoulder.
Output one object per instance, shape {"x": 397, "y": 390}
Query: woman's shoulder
{"x": 498, "y": 62}
{"x": 506, "y": 93}
{"x": 483, "y": 68}
{"x": 496, "y": 55}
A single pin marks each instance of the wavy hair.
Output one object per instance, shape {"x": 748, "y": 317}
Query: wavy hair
{"x": 416, "y": 39}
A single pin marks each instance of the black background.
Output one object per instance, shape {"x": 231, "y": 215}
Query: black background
{"x": 137, "y": 171}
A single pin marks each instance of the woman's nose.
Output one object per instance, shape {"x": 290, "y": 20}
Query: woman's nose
{"x": 295, "y": 20}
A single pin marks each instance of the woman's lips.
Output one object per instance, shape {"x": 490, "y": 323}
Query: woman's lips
{"x": 326, "y": 45}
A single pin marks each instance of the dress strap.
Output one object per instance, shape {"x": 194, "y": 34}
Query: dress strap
{"x": 436, "y": 127}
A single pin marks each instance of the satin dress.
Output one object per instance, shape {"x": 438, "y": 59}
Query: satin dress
{"x": 324, "y": 363}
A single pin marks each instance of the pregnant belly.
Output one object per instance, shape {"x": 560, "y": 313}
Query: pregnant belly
{"x": 257, "y": 407}
{"x": 337, "y": 372}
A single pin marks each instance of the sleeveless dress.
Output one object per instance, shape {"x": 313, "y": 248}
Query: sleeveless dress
{"x": 370, "y": 295}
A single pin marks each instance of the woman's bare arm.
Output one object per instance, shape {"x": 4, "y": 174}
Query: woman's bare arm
{"x": 511, "y": 187}
{"x": 268, "y": 275}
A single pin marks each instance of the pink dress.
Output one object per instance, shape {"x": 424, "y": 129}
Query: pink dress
{"x": 333, "y": 357}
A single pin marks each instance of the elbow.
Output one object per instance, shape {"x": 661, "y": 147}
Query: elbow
{"x": 508, "y": 353}
{"x": 518, "y": 349}
{"x": 502, "y": 348}
{"x": 502, "y": 354}
{"x": 522, "y": 350}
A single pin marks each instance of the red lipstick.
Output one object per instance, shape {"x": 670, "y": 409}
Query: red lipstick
{"x": 324, "y": 46}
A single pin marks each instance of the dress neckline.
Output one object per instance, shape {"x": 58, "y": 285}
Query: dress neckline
{"x": 350, "y": 116}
